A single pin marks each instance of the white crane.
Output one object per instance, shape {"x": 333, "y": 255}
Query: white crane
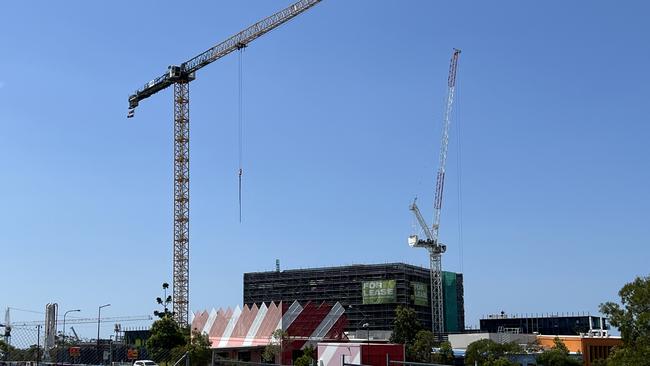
{"x": 432, "y": 242}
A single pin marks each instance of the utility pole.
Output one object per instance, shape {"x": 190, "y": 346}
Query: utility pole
{"x": 38, "y": 344}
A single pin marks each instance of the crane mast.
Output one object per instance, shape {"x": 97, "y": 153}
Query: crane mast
{"x": 180, "y": 77}
{"x": 432, "y": 243}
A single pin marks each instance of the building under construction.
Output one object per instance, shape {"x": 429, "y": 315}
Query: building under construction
{"x": 369, "y": 293}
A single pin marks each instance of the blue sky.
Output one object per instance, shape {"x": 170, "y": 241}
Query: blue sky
{"x": 342, "y": 116}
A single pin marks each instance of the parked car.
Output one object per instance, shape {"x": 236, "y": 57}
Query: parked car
{"x": 144, "y": 363}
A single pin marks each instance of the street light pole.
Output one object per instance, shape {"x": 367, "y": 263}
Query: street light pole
{"x": 64, "y": 314}
{"x": 38, "y": 344}
{"x": 99, "y": 319}
{"x": 367, "y": 326}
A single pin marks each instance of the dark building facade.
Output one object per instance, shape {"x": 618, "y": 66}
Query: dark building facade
{"x": 369, "y": 293}
{"x": 568, "y": 325}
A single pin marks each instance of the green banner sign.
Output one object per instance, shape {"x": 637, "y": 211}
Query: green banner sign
{"x": 379, "y": 292}
{"x": 420, "y": 293}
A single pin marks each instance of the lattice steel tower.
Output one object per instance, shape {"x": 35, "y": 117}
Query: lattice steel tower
{"x": 180, "y": 77}
{"x": 432, "y": 243}
{"x": 181, "y": 285}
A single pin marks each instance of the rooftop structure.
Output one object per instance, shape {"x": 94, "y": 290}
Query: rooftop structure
{"x": 555, "y": 324}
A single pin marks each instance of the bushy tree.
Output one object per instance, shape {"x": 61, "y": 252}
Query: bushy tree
{"x": 445, "y": 355}
{"x": 307, "y": 358}
{"x": 599, "y": 362}
{"x": 279, "y": 339}
{"x": 420, "y": 350}
{"x": 558, "y": 355}
{"x": 490, "y": 353}
{"x": 633, "y": 320}
{"x": 198, "y": 348}
{"x": 25, "y": 354}
{"x": 405, "y": 326}
{"x": 165, "y": 336}
{"x": 4, "y": 350}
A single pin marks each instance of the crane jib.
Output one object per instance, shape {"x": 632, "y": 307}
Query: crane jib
{"x": 231, "y": 44}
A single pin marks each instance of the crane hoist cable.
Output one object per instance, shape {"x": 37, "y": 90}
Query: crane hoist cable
{"x": 240, "y": 122}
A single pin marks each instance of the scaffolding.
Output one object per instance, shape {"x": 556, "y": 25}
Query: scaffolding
{"x": 344, "y": 284}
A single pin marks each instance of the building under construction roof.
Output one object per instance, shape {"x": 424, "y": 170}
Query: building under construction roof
{"x": 369, "y": 293}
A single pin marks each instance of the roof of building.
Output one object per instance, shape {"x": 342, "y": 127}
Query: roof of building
{"x": 396, "y": 265}
{"x": 251, "y": 326}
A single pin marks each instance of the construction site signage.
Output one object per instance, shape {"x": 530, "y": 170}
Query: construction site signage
{"x": 379, "y": 292}
{"x": 132, "y": 354}
{"x": 420, "y": 294}
{"x": 74, "y": 352}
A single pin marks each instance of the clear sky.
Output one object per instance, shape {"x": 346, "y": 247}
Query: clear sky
{"x": 342, "y": 115}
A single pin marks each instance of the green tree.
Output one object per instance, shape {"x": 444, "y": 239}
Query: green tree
{"x": 165, "y": 336}
{"x": 633, "y": 320}
{"x": 558, "y": 355}
{"x": 28, "y": 354}
{"x": 164, "y": 303}
{"x": 490, "y": 353}
{"x": 420, "y": 350}
{"x": 445, "y": 355}
{"x": 599, "y": 362}
{"x": 501, "y": 361}
{"x": 405, "y": 326}
{"x": 279, "y": 339}
{"x": 5, "y": 349}
{"x": 307, "y": 358}
{"x": 198, "y": 348}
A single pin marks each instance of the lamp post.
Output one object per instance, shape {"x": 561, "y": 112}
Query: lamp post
{"x": 64, "y": 314}
{"x": 365, "y": 326}
{"x": 99, "y": 319}
{"x": 365, "y": 317}
{"x": 38, "y": 344}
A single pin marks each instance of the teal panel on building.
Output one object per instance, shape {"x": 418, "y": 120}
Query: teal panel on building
{"x": 452, "y": 289}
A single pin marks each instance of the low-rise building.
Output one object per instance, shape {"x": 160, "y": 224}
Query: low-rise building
{"x": 592, "y": 347}
{"x": 558, "y": 324}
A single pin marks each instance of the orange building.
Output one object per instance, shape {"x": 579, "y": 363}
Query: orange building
{"x": 591, "y": 348}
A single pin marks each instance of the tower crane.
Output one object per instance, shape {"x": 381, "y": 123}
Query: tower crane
{"x": 432, "y": 242}
{"x": 180, "y": 76}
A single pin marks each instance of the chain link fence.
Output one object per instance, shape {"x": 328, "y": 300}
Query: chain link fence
{"x": 26, "y": 347}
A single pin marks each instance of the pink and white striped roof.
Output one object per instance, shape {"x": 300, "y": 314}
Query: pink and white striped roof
{"x": 253, "y": 326}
